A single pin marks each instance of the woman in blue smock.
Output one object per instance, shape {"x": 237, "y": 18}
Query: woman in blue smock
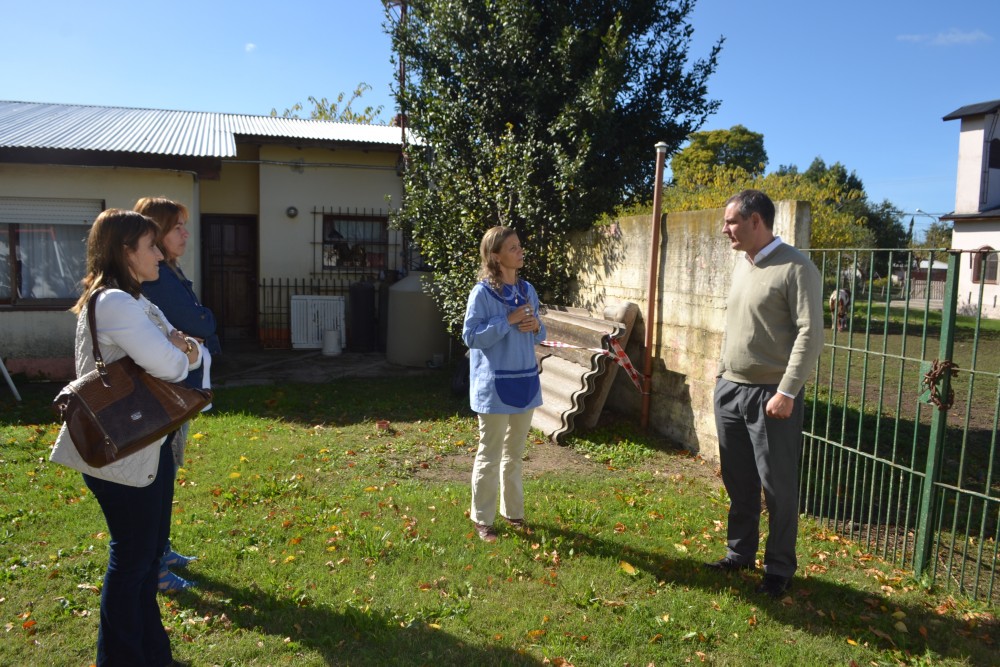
{"x": 501, "y": 328}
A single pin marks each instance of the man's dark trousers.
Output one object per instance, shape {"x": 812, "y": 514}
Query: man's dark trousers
{"x": 756, "y": 450}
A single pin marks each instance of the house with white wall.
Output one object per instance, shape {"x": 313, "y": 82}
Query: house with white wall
{"x": 976, "y": 217}
{"x": 271, "y": 199}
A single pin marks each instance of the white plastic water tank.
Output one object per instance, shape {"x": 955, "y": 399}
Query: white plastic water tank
{"x": 416, "y": 331}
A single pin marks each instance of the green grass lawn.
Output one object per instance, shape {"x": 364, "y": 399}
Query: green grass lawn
{"x": 325, "y": 542}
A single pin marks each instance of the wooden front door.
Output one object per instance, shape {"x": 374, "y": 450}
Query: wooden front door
{"x": 229, "y": 262}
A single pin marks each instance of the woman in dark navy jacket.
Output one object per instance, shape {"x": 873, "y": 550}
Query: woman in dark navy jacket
{"x": 173, "y": 294}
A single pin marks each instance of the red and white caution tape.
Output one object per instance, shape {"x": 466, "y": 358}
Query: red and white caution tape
{"x": 616, "y": 353}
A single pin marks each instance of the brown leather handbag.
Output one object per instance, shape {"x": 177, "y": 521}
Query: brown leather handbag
{"x": 118, "y": 409}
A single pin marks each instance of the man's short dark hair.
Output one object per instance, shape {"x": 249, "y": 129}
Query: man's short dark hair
{"x": 749, "y": 202}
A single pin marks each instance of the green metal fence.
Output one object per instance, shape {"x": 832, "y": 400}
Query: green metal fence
{"x": 900, "y": 447}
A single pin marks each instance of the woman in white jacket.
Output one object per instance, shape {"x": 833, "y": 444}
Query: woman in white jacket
{"x": 135, "y": 493}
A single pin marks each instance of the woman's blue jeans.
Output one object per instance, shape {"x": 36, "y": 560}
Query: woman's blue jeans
{"x": 131, "y": 632}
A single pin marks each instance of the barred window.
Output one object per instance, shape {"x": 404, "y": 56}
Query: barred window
{"x": 354, "y": 242}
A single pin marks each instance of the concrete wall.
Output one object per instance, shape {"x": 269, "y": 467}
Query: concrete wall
{"x": 40, "y": 342}
{"x": 695, "y": 268}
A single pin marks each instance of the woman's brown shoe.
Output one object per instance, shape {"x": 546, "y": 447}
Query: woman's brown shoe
{"x": 486, "y": 533}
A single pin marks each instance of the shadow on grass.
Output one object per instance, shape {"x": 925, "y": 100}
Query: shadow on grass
{"x": 340, "y": 402}
{"x": 818, "y": 606}
{"x": 350, "y": 637}
{"x": 35, "y": 406}
{"x": 347, "y": 401}
{"x": 867, "y": 469}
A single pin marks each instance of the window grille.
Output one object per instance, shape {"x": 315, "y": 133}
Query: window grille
{"x": 355, "y": 244}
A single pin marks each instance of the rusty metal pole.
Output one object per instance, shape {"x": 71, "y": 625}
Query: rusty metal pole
{"x": 654, "y": 263}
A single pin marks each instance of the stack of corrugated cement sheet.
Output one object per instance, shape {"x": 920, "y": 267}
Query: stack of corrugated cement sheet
{"x": 572, "y": 388}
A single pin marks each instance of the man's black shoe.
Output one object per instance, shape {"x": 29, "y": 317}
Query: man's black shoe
{"x": 728, "y": 564}
{"x": 774, "y": 585}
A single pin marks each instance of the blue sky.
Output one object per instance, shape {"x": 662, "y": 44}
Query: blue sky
{"x": 861, "y": 83}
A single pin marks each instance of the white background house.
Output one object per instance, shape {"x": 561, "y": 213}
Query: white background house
{"x": 977, "y": 207}
{"x": 270, "y": 199}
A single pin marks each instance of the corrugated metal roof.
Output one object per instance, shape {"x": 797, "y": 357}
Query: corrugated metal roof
{"x": 974, "y": 110}
{"x": 159, "y": 132}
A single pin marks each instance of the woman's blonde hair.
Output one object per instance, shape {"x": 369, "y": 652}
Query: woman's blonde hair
{"x": 165, "y": 213}
{"x": 113, "y": 234}
{"x": 489, "y": 267}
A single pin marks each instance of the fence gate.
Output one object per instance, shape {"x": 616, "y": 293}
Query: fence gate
{"x": 900, "y": 446}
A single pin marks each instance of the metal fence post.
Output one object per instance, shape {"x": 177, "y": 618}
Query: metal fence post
{"x": 939, "y": 419}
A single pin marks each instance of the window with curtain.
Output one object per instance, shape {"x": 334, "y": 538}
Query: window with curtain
{"x": 5, "y": 290}
{"x": 43, "y": 249}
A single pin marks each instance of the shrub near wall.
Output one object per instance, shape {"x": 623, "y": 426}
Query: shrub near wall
{"x": 695, "y": 269}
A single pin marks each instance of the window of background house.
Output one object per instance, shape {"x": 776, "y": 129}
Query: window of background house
{"x": 994, "y": 156}
{"x": 43, "y": 248}
{"x": 984, "y": 266}
{"x": 355, "y": 242}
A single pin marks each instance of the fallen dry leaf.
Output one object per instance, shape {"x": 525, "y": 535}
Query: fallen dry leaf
{"x": 557, "y": 662}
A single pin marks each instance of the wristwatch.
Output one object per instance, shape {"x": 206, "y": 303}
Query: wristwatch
{"x": 190, "y": 345}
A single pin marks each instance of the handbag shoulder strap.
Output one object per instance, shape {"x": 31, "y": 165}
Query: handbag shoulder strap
{"x": 92, "y": 322}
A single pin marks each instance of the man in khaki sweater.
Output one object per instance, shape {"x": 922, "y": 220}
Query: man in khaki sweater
{"x": 772, "y": 339}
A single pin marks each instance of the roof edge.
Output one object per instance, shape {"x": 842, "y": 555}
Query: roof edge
{"x": 978, "y": 109}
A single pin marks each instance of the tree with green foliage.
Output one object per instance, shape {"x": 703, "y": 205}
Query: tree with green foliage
{"x": 842, "y": 215}
{"x": 337, "y": 110}
{"x": 938, "y": 235}
{"x": 735, "y": 147}
{"x": 834, "y": 225}
{"x": 885, "y": 221}
{"x": 537, "y": 114}
{"x": 818, "y": 170}
{"x": 882, "y": 219}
